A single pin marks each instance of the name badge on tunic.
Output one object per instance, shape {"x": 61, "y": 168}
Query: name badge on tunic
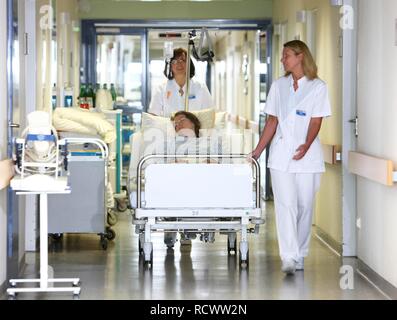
{"x": 301, "y": 113}
{"x": 191, "y": 97}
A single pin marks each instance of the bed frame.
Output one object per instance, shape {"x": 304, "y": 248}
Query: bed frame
{"x": 198, "y": 197}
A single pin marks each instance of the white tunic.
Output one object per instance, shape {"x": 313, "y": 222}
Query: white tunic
{"x": 294, "y": 111}
{"x": 167, "y": 99}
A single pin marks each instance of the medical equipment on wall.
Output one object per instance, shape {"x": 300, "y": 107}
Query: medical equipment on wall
{"x": 42, "y": 169}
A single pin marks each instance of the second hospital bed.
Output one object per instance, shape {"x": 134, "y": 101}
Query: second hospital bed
{"x": 201, "y": 193}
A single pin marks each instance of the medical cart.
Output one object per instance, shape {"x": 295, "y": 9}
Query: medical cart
{"x": 84, "y": 209}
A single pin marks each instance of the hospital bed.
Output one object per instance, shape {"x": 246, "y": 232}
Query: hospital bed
{"x": 187, "y": 193}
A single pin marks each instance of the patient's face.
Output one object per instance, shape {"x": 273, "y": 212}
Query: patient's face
{"x": 183, "y": 126}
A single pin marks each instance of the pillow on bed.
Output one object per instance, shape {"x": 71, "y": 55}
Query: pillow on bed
{"x": 206, "y": 117}
{"x": 220, "y": 120}
{"x": 165, "y": 125}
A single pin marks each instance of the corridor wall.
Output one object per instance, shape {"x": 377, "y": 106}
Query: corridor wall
{"x": 377, "y": 113}
{"x": 245, "y": 9}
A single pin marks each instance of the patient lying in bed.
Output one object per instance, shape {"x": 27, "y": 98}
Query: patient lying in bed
{"x": 187, "y": 128}
{"x": 180, "y": 136}
{"x": 186, "y": 124}
{"x": 184, "y": 136}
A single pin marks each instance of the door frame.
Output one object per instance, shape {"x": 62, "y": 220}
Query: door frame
{"x": 12, "y": 201}
{"x": 30, "y": 66}
{"x": 268, "y": 190}
{"x": 349, "y": 112}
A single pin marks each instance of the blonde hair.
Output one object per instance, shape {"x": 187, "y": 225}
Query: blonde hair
{"x": 308, "y": 63}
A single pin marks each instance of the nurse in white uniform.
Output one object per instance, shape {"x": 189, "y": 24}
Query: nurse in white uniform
{"x": 296, "y": 106}
{"x": 169, "y": 97}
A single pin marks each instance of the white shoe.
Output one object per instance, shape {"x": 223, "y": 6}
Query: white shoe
{"x": 300, "y": 264}
{"x": 289, "y": 266}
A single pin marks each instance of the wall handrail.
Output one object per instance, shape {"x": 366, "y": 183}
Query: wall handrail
{"x": 233, "y": 118}
{"x": 254, "y": 126}
{"x": 332, "y": 154}
{"x": 242, "y": 122}
{"x": 373, "y": 168}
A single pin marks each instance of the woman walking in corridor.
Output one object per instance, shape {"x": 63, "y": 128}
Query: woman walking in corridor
{"x": 296, "y": 106}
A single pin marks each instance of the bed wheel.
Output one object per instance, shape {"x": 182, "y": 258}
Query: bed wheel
{"x": 149, "y": 263}
{"x": 110, "y": 233}
{"x": 232, "y": 249}
{"x": 12, "y": 296}
{"x": 141, "y": 239}
{"x": 104, "y": 243}
{"x": 232, "y": 243}
{"x": 244, "y": 263}
{"x": 56, "y": 236}
{"x": 148, "y": 254}
{"x": 170, "y": 239}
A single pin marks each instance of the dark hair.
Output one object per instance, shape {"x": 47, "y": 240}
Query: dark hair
{"x": 178, "y": 53}
{"x": 192, "y": 118}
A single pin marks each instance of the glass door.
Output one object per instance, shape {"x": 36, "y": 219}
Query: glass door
{"x": 120, "y": 55}
{"x": 119, "y": 64}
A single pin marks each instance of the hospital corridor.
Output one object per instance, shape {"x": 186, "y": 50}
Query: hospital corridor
{"x": 198, "y": 151}
{"x": 197, "y": 271}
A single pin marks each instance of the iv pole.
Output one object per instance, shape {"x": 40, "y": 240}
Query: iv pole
{"x": 191, "y": 35}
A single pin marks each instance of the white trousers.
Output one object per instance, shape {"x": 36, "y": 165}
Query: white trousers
{"x": 293, "y": 200}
